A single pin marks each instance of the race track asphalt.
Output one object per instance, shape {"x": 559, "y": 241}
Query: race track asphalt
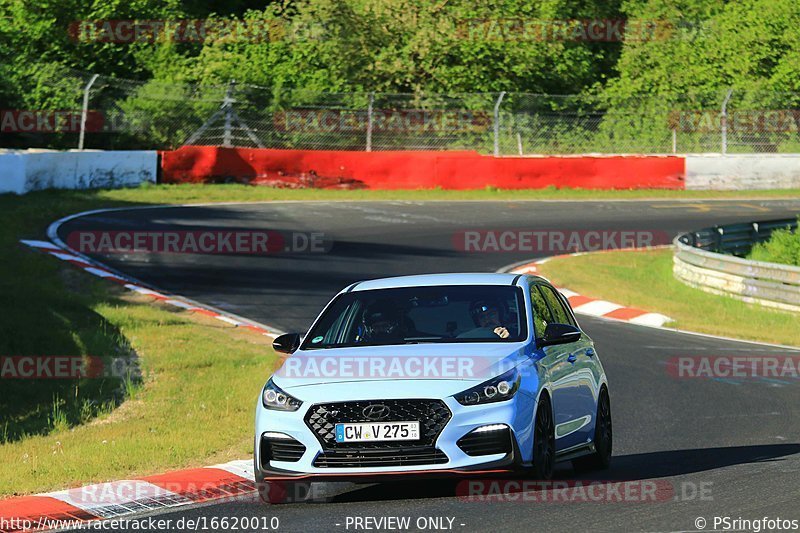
{"x": 716, "y": 448}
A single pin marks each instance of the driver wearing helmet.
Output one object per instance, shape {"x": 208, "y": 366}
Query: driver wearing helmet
{"x": 380, "y": 322}
{"x": 488, "y": 316}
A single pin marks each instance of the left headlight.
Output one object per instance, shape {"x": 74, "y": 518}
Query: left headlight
{"x": 273, "y": 397}
{"x": 498, "y": 389}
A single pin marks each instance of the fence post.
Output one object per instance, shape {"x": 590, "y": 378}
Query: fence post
{"x": 497, "y": 123}
{"x": 227, "y": 103}
{"x": 85, "y": 110}
{"x": 724, "y": 121}
{"x": 674, "y": 140}
{"x": 519, "y": 143}
{"x": 369, "y": 121}
{"x": 231, "y": 116}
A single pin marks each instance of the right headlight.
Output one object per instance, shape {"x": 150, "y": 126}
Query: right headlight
{"x": 498, "y": 389}
{"x": 273, "y": 397}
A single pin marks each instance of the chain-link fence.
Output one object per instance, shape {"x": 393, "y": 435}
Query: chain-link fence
{"x": 123, "y": 114}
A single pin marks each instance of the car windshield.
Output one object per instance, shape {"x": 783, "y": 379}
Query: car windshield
{"x": 411, "y": 315}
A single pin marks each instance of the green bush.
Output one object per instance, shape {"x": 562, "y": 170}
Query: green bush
{"x": 782, "y": 247}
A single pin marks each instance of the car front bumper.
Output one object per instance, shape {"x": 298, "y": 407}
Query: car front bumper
{"x": 514, "y": 413}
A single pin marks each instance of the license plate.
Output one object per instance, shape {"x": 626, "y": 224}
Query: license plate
{"x": 377, "y": 431}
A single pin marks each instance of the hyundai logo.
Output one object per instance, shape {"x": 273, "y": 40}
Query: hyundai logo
{"x": 375, "y": 411}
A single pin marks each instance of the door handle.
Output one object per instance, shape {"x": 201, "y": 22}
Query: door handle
{"x": 572, "y": 358}
{"x": 590, "y": 352}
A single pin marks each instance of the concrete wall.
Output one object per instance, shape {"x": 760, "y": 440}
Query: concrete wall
{"x": 470, "y": 170}
{"x": 26, "y": 171}
{"x": 12, "y": 172}
{"x": 743, "y": 171}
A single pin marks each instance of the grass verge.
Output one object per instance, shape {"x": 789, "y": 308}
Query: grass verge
{"x": 194, "y": 406}
{"x": 200, "y": 377}
{"x": 645, "y": 280}
{"x": 245, "y": 193}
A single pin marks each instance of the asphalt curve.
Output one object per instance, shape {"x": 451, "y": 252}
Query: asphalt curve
{"x": 717, "y": 448}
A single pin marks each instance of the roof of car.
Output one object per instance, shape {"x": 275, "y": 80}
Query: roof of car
{"x": 427, "y": 280}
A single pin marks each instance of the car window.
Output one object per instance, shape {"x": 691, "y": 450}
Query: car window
{"x": 560, "y": 313}
{"x": 541, "y": 313}
{"x": 412, "y": 315}
{"x": 567, "y": 308}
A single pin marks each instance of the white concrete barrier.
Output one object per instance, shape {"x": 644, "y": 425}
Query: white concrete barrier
{"x": 26, "y": 171}
{"x": 12, "y": 172}
{"x": 742, "y": 171}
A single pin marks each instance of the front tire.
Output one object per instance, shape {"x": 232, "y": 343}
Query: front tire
{"x": 544, "y": 441}
{"x": 600, "y": 459}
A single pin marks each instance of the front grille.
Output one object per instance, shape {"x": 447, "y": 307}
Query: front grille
{"x": 432, "y": 415}
{"x": 417, "y": 456}
{"x": 486, "y": 442}
{"x": 286, "y": 449}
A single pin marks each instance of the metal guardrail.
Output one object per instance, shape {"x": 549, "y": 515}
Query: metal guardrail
{"x": 709, "y": 259}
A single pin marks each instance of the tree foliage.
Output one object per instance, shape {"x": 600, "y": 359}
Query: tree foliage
{"x": 701, "y": 48}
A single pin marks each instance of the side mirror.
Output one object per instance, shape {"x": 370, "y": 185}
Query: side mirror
{"x": 286, "y": 343}
{"x": 559, "y": 334}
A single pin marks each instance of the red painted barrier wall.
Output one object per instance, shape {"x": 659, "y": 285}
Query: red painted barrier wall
{"x": 417, "y": 169}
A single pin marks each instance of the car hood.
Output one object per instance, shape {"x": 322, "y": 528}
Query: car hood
{"x": 460, "y": 364}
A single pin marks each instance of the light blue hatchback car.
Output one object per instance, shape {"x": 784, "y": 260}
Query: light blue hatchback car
{"x": 433, "y": 375}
